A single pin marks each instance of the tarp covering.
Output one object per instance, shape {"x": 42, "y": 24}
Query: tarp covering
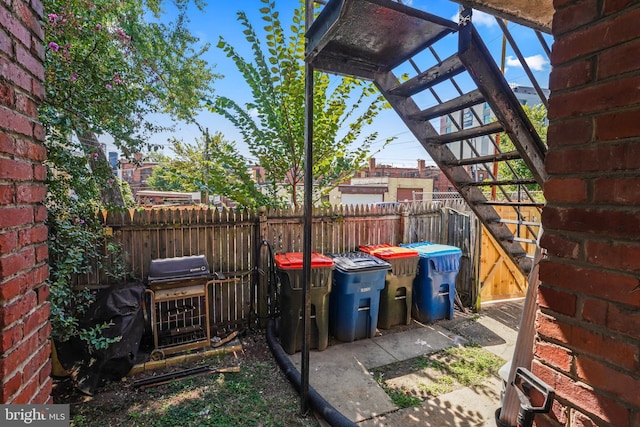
{"x": 122, "y": 307}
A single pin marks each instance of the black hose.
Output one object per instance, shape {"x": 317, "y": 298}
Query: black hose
{"x": 318, "y": 403}
{"x": 272, "y": 299}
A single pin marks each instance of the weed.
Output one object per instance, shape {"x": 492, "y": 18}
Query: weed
{"x": 437, "y": 374}
{"x": 213, "y": 400}
{"x": 471, "y": 365}
{"x": 403, "y": 398}
{"x": 440, "y": 385}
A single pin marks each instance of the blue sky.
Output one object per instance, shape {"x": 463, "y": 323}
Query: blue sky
{"x": 220, "y": 19}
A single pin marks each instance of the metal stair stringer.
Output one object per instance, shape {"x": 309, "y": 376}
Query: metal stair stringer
{"x": 428, "y": 137}
{"x": 480, "y": 65}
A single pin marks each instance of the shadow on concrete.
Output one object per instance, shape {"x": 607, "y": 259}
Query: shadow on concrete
{"x": 508, "y": 313}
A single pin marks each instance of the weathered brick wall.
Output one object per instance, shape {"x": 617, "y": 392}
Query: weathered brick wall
{"x": 589, "y": 322}
{"x": 24, "y": 328}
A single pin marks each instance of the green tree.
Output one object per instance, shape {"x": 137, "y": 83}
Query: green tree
{"x": 518, "y": 169}
{"x": 162, "y": 178}
{"x": 108, "y": 66}
{"x": 211, "y": 165}
{"x": 273, "y": 123}
{"x": 111, "y": 64}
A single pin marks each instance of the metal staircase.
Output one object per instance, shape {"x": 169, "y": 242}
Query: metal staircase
{"x": 385, "y": 41}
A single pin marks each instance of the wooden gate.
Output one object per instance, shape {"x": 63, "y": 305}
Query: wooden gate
{"x": 499, "y": 277}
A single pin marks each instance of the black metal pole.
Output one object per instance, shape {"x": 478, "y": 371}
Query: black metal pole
{"x": 308, "y": 211}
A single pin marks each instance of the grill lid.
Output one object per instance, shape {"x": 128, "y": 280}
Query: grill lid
{"x": 186, "y": 267}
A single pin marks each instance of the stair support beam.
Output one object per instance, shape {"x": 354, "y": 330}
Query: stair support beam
{"x": 485, "y": 72}
{"x": 451, "y": 66}
{"x": 456, "y": 104}
{"x": 406, "y": 108}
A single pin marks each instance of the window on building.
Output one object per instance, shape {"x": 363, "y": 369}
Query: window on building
{"x": 487, "y": 118}
{"x": 468, "y": 118}
{"x": 484, "y": 146}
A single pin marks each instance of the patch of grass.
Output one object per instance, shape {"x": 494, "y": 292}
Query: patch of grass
{"x": 408, "y": 383}
{"x": 440, "y": 385}
{"x": 426, "y": 362}
{"x": 231, "y": 399}
{"x": 403, "y": 398}
{"x": 471, "y": 365}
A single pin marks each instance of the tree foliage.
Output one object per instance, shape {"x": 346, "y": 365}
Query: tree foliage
{"x": 211, "y": 165}
{"x": 273, "y": 123}
{"x": 518, "y": 168}
{"x": 108, "y": 66}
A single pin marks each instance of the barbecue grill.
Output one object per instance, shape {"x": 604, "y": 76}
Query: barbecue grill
{"x": 179, "y": 292}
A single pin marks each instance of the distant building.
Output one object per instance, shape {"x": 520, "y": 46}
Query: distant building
{"x": 113, "y": 161}
{"x": 167, "y": 198}
{"x": 391, "y": 184}
{"x": 482, "y": 114}
{"x": 136, "y": 173}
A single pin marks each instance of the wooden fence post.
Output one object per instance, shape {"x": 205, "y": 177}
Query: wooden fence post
{"x": 404, "y": 225}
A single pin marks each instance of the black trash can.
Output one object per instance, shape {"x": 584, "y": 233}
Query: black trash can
{"x": 289, "y": 268}
{"x": 396, "y": 298}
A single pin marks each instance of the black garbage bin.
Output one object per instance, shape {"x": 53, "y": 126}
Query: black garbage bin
{"x": 396, "y": 298}
{"x": 289, "y": 268}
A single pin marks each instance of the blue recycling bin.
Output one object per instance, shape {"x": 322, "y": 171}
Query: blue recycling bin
{"x": 358, "y": 279}
{"x": 434, "y": 286}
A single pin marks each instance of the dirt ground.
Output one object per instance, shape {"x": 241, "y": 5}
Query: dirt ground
{"x": 260, "y": 394}
{"x": 218, "y": 399}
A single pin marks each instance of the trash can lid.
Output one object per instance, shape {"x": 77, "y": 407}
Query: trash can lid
{"x": 293, "y": 260}
{"x": 358, "y": 262}
{"x": 428, "y": 249}
{"x": 386, "y": 251}
{"x": 444, "y": 258}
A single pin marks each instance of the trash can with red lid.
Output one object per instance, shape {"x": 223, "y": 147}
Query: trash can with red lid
{"x": 289, "y": 268}
{"x": 396, "y": 297}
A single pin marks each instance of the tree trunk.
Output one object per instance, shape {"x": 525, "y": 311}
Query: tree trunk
{"x": 111, "y": 195}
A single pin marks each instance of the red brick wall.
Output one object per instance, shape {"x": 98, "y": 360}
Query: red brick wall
{"x": 24, "y": 311}
{"x": 588, "y": 345}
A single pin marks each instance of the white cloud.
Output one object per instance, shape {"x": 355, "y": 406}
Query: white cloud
{"x": 479, "y": 19}
{"x": 535, "y": 62}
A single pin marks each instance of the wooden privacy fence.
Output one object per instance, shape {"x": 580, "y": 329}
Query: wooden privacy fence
{"x": 235, "y": 242}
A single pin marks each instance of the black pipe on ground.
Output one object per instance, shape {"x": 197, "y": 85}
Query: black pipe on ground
{"x": 318, "y": 403}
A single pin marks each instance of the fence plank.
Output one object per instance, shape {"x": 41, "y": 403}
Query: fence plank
{"x": 230, "y": 241}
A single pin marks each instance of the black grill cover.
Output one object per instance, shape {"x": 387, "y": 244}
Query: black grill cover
{"x": 121, "y": 307}
{"x": 186, "y": 267}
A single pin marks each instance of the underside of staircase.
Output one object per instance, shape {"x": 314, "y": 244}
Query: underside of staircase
{"x": 395, "y": 46}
